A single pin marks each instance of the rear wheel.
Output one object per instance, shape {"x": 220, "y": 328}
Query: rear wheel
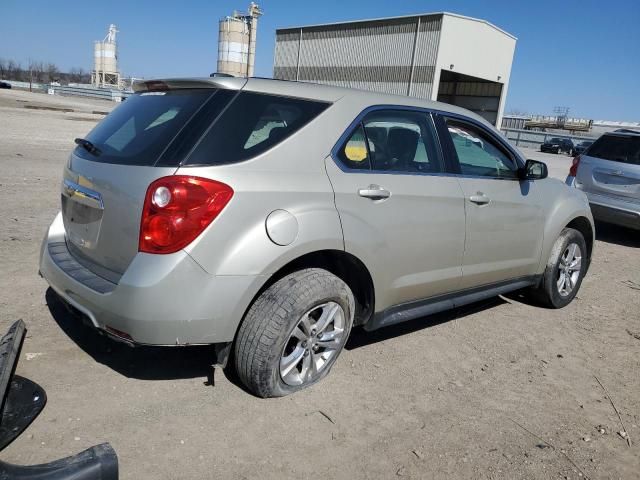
{"x": 565, "y": 270}
{"x": 294, "y": 332}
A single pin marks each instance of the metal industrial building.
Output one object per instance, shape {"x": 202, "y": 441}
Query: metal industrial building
{"x": 440, "y": 56}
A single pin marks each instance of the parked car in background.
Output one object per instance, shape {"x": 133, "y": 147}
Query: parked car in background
{"x": 580, "y": 147}
{"x": 5, "y": 84}
{"x": 557, "y": 145}
{"x": 271, "y": 217}
{"x": 609, "y": 173}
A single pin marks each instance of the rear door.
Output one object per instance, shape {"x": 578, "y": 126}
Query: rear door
{"x": 400, "y": 213}
{"x": 611, "y": 167}
{"x": 504, "y": 217}
{"x": 105, "y": 181}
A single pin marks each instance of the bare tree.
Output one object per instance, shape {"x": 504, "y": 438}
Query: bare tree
{"x": 3, "y": 68}
{"x": 11, "y": 69}
{"x": 76, "y": 75}
{"x": 52, "y": 72}
{"x": 82, "y": 76}
{"x": 35, "y": 72}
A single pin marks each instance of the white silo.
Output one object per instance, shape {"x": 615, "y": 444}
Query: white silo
{"x": 237, "y": 42}
{"x": 105, "y": 58}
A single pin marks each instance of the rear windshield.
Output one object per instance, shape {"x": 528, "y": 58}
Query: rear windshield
{"x": 140, "y": 129}
{"x": 162, "y": 128}
{"x": 253, "y": 123}
{"x": 617, "y": 148}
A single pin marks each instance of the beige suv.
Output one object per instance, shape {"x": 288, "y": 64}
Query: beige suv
{"x": 269, "y": 218}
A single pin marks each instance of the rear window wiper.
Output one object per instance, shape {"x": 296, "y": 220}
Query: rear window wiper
{"x": 88, "y": 146}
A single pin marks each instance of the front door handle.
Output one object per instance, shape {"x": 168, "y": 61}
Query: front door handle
{"x": 479, "y": 199}
{"x": 374, "y": 192}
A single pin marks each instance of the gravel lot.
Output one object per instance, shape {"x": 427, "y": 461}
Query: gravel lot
{"x": 501, "y": 389}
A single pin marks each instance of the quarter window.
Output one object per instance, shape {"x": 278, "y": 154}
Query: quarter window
{"x": 354, "y": 153}
{"x": 478, "y": 154}
{"x": 252, "y": 124}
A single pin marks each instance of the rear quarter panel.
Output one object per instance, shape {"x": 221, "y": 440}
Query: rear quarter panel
{"x": 291, "y": 176}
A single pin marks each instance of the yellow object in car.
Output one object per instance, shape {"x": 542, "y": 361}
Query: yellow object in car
{"x": 355, "y": 153}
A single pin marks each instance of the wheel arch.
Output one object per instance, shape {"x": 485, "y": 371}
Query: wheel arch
{"x": 584, "y": 226}
{"x": 344, "y": 265}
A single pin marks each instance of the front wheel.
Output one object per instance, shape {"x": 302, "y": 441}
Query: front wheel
{"x": 294, "y": 332}
{"x": 565, "y": 270}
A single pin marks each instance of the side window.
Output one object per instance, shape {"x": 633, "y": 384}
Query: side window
{"x": 251, "y": 124}
{"x": 354, "y": 152}
{"x": 478, "y": 154}
{"x": 401, "y": 141}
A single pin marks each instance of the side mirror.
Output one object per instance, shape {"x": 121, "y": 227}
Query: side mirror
{"x": 534, "y": 170}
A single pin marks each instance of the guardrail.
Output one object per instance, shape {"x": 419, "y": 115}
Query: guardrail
{"x": 17, "y": 84}
{"x": 91, "y": 92}
{"x": 533, "y": 139}
{"x": 113, "y": 95}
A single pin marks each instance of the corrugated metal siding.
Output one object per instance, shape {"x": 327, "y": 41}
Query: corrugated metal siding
{"x": 286, "y": 55}
{"x": 374, "y": 55}
{"x": 426, "y": 53}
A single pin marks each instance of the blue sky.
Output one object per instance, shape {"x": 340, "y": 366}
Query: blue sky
{"x": 580, "y": 54}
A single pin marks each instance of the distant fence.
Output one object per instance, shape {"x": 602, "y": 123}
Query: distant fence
{"x": 533, "y": 139}
{"x": 91, "y": 92}
{"x": 34, "y": 86}
{"x": 78, "y": 91}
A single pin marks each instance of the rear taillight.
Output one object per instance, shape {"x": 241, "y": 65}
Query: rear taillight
{"x": 573, "y": 170}
{"x": 177, "y": 209}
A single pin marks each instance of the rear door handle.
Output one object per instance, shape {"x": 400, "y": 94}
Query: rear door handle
{"x": 479, "y": 199}
{"x": 374, "y": 192}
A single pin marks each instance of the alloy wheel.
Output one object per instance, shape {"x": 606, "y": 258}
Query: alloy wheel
{"x": 315, "y": 340}
{"x": 569, "y": 269}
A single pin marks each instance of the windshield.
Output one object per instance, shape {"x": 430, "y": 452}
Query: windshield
{"x": 555, "y": 140}
{"x": 617, "y": 148}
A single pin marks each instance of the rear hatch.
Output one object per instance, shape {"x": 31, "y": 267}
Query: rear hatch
{"x": 108, "y": 173}
{"x": 611, "y": 166}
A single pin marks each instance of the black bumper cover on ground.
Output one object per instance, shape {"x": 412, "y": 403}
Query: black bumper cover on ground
{"x": 21, "y": 401}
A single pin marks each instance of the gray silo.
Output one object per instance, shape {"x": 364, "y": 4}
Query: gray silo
{"x": 105, "y": 61}
{"x": 237, "y": 42}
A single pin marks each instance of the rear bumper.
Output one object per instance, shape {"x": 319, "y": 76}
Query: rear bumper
{"x": 614, "y": 210}
{"x": 160, "y": 299}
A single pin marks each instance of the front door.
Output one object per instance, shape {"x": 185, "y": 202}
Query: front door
{"x": 504, "y": 227}
{"x": 401, "y": 215}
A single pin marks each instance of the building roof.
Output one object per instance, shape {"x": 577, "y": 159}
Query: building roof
{"x": 347, "y": 22}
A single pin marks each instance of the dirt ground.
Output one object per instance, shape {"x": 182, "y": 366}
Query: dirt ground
{"x": 501, "y": 389}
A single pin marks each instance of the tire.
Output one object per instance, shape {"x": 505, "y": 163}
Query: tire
{"x": 552, "y": 293}
{"x": 279, "y": 328}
